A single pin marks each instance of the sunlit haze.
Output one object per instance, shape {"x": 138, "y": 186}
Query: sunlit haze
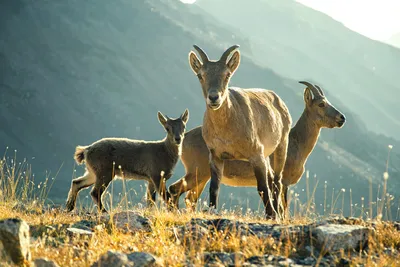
{"x": 377, "y": 19}
{"x": 188, "y": 1}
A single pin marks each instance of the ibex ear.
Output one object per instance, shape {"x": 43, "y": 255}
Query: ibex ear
{"x": 161, "y": 118}
{"x": 234, "y": 61}
{"x": 194, "y": 62}
{"x": 308, "y": 98}
{"x": 185, "y": 116}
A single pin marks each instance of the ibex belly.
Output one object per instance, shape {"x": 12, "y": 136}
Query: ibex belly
{"x": 238, "y": 173}
{"x": 239, "y": 181}
{"x": 226, "y": 149}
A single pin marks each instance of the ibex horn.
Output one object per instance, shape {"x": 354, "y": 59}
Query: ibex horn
{"x": 202, "y": 54}
{"x": 320, "y": 90}
{"x": 228, "y": 51}
{"x": 312, "y": 88}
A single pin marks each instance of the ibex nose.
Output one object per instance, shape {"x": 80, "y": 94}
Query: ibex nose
{"x": 341, "y": 119}
{"x": 213, "y": 98}
{"x": 178, "y": 140}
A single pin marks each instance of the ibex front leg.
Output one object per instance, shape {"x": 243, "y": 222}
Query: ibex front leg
{"x": 217, "y": 168}
{"x": 264, "y": 181}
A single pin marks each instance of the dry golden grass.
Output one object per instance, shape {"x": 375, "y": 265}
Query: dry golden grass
{"x": 162, "y": 241}
{"x": 17, "y": 185}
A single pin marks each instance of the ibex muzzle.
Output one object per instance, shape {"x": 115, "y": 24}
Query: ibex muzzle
{"x": 213, "y": 75}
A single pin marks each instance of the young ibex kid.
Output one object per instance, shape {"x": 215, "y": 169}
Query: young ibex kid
{"x": 152, "y": 161}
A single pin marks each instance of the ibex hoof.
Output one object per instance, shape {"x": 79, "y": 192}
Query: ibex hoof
{"x": 69, "y": 206}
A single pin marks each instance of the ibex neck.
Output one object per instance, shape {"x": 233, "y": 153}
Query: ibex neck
{"x": 221, "y": 115}
{"x": 172, "y": 149}
{"x": 303, "y": 136}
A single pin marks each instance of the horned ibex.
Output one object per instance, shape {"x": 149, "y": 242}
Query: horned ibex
{"x": 241, "y": 124}
{"x": 318, "y": 113}
{"x": 152, "y": 161}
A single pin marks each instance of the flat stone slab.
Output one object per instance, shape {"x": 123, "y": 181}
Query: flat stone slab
{"x": 333, "y": 237}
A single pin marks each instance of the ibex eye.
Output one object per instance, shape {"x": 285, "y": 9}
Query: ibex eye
{"x": 199, "y": 76}
{"x": 321, "y": 105}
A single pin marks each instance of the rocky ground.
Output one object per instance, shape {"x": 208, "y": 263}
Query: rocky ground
{"x": 148, "y": 238}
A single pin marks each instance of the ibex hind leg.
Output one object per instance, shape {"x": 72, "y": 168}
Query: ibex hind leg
{"x": 77, "y": 185}
{"x": 100, "y": 186}
{"x": 191, "y": 183}
{"x": 159, "y": 183}
{"x": 278, "y": 166}
{"x": 178, "y": 188}
{"x": 193, "y": 195}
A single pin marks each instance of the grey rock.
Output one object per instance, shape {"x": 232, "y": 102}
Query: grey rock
{"x": 118, "y": 259}
{"x": 143, "y": 259}
{"x": 40, "y": 230}
{"x": 343, "y": 263}
{"x": 76, "y": 233}
{"x": 191, "y": 234}
{"x": 392, "y": 252}
{"x": 25, "y": 208}
{"x": 43, "y": 262}
{"x": 113, "y": 258}
{"x": 267, "y": 260}
{"x": 307, "y": 261}
{"x": 223, "y": 258}
{"x": 129, "y": 221}
{"x": 14, "y": 241}
{"x": 285, "y": 262}
{"x": 225, "y": 226}
{"x": 85, "y": 225}
{"x": 236, "y": 228}
{"x": 333, "y": 237}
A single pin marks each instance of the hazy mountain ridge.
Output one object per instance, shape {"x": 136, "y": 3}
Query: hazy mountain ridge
{"x": 78, "y": 71}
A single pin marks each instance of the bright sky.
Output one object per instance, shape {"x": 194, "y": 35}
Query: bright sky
{"x": 377, "y": 19}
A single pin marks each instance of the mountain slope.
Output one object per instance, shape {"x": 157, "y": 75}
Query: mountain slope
{"x": 299, "y": 42}
{"x": 77, "y": 71}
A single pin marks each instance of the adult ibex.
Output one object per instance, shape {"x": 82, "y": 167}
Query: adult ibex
{"x": 318, "y": 113}
{"x": 152, "y": 161}
{"x": 241, "y": 124}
